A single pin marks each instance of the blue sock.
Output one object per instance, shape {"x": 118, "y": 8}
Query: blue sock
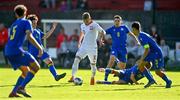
{"x": 106, "y": 77}
{"x": 27, "y": 79}
{"x": 107, "y": 82}
{"x": 107, "y": 72}
{"x": 148, "y": 75}
{"x": 18, "y": 83}
{"x": 165, "y": 78}
{"x": 52, "y": 69}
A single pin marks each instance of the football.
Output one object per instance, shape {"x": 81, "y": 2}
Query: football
{"x": 78, "y": 81}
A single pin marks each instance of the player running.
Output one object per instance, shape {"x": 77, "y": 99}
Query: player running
{"x": 119, "y": 33}
{"x": 88, "y": 36}
{"x": 152, "y": 53}
{"x": 39, "y": 36}
{"x": 19, "y": 58}
{"x": 126, "y": 76}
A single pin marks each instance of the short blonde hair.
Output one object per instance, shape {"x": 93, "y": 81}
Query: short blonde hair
{"x": 118, "y": 17}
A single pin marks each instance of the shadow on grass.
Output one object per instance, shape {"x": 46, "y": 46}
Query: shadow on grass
{"x": 164, "y": 85}
{"x": 52, "y": 86}
{"x": 6, "y": 85}
{"x": 123, "y": 89}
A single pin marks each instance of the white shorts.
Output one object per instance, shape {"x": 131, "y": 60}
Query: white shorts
{"x": 91, "y": 53}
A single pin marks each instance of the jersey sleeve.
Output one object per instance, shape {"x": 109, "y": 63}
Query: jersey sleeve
{"x": 108, "y": 31}
{"x": 81, "y": 28}
{"x": 28, "y": 26}
{"x": 126, "y": 29}
{"x": 134, "y": 70}
{"x": 144, "y": 42}
{"x": 41, "y": 33}
{"x": 100, "y": 29}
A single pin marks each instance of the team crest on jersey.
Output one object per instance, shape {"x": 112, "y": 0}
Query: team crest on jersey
{"x": 122, "y": 29}
{"x": 91, "y": 27}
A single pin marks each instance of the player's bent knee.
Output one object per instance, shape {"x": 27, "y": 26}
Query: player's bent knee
{"x": 34, "y": 67}
{"x": 159, "y": 73}
{"x": 24, "y": 70}
{"x": 48, "y": 61}
{"x": 93, "y": 64}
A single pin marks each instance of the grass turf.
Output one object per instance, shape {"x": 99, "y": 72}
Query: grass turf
{"x": 44, "y": 87}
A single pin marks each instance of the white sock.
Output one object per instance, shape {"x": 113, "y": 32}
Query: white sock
{"x": 93, "y": 69}
{"x": 75, "y": 66}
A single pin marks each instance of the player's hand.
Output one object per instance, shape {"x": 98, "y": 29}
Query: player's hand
{"x": 79, "y": 45}
{"x": 54, "y": 25}
{"x": 101, "y": 69}
{"x": 40, "y": 52}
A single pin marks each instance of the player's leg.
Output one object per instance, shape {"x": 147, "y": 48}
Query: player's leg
{"x": 110, "y": 71}
{"x": 47, "y": 59}
{"x": 158, "y": 64}
{"x": 121, "y": 65}
{"x": 111, "y": 61}
{"x": 146, "y": 73}
{"x": 24, "y": 70}
{"x": 122, "y": 59}
{"x": 79, "y": 56}
{"x": 92, "y": 54}
{"x": 28, "y": 60}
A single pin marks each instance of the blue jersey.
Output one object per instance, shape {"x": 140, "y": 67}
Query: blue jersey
{"x": 38, "y": 35}
{"x": 17, "y": 36}
{"x": 155, "y": 55}
{"x": 147, "y": 42}
{"x": 119, "y": 36}
{"x": 128, "y": 72}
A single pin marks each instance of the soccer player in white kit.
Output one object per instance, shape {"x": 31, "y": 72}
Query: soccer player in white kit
{"x": 88, "y": 45}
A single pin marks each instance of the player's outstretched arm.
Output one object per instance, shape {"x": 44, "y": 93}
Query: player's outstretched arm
{"x": 81, "y": 36}
{"x": 131, "y": 34}
{"x": 32, "y": 40}
{"x": 48, "y": 34}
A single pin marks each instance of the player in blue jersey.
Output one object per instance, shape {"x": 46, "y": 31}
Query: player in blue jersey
{"x": 39, "y": 36}
{"x": 152, "y": 53}
{"x": 126, "y": 76}
{"x": 19, "y": 58}
{"x": 118, "y": 34}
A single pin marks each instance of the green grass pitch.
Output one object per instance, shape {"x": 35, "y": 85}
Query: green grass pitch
{"x": 44, "y": 87}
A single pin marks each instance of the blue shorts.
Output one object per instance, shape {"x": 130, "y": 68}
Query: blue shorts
{"x": 120, "y": 54}
{"x": 23, "y": 59}
{"x": 156, "y": 59}
{"x": 44, "y": 56}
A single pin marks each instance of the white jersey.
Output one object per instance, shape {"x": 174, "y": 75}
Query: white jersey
{"x": 90, "y": 35}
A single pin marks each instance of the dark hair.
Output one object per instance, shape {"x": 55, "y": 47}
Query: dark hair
{"x": 20, "y": 10}
{"x": 32, "y": 17}
{"x": 118, "y": 17}
{"x": 86, "y": 15}
{"x": 136, "y": 25}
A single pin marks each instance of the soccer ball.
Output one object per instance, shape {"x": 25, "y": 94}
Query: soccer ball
{"x": 78, "y": 81}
